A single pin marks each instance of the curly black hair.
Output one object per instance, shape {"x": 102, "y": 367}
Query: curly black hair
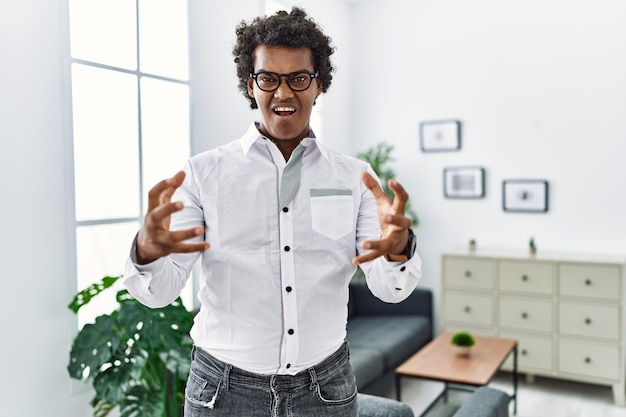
{"x": 293, "y": 30}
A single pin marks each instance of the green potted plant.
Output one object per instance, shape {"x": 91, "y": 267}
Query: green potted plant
{"x": 462, "y": 342}
{"x": 379, "y": 157}
{"x": 136, "y": 358}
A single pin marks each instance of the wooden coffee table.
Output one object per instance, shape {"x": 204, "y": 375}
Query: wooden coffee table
{"x": 438, "y": 361}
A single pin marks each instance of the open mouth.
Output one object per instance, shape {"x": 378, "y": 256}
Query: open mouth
{"x": 284, "y": 110}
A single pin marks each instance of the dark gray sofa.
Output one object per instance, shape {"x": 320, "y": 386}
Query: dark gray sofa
{"x": 374, "y": 406}
{"x": 485, "y": 402}
{"x": 381, "y": 335}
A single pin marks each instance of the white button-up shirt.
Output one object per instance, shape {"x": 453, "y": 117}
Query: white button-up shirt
{"x": 273, "y": 287}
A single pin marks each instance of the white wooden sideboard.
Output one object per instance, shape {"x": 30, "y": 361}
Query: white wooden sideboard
{"x": 566, "y": 310}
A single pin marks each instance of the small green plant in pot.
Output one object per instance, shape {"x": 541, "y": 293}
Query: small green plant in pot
{"x": 462, "y": 342}
{"x": 137, "y": 358}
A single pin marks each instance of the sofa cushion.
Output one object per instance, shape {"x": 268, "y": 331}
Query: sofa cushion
{"x": 368, "y": 364}
{"x": 395, "y": 337}
{"x": 374, "y": 406}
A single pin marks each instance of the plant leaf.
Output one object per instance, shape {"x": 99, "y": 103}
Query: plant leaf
{"x": 178, "y": 361}
{"x": 113, "y": 383}
{"x": 85, "y": 296}
{"x": 101, "y": 408}
{"x": 141, "y": 402}
{"x": 93, "y": 346}
{"x": 158, "y": 330}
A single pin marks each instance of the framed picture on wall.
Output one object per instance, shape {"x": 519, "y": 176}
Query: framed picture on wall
{"x": 440, "y": 135}
{"x": 464, "y": 182}
{"x": 525, "y": 195}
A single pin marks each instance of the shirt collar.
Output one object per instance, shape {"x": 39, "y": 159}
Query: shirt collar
{"x": 253, "y": 135}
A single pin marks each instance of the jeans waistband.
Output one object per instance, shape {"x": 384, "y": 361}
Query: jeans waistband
{"x": 228, "y": 372}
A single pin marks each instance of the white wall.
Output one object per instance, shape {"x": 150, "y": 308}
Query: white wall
{"x": 540, "y": 89}
{"x": 37, "y": 279}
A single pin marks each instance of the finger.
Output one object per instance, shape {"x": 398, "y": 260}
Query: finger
{"x": 182, "y": 235}
{"x": 162, "y": 192}
{"x": 376, "y": 248}
{"x": 162, "y": 212}
{"x": 401, "y": 196}
{"x": 373, "y": 185}
{"x": 366, "y": 257}
{"x": 190, "y": 247}
{"x": 401, "y": 221}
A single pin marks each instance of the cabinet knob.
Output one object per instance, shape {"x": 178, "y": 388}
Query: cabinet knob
{"x": 524, "y": 315}
{"x": 588, "y": 282}
{"x": 587, "y": 360}
{"x": 524, "y": 352}
{"x": 468, "y": 274}
{"x": 467, "y": 309}
{"x": 587, "y": 321}
{"x": 524, "y": 278}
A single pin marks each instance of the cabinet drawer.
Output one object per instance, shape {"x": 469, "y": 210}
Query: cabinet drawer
{"x": 471, "y": 309}
{"x": 469, "y": 273}
{"x": 526, "y": 314}
{"x": 529, "y": 277}
{"x": 532, "y": 352}
{"x": 588, "y": 320}
{"x": 589, "y": 281}
{"x": 589, "y": 359}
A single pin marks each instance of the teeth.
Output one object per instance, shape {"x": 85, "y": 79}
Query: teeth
{"x": 284, "y": 109}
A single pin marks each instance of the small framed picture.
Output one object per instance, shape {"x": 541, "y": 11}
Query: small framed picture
{"x": 525, "y": 195}
{"x": 464, "y": 182}
{"x": 440, "y": 135}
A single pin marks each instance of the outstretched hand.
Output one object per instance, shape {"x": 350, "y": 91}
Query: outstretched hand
{"x": 393, "y": 223}
{"x": 155, "y": 239}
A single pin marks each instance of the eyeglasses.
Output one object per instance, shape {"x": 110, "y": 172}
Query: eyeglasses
{"x": 270, "y": 81}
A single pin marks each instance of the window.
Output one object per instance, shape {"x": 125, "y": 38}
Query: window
{"x": 131, "y": 124}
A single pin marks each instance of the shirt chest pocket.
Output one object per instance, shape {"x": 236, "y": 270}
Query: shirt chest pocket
{"x": 332, "y": 212}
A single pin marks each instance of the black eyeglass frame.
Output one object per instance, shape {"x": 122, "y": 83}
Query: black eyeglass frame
{"x": 311, "y": 75}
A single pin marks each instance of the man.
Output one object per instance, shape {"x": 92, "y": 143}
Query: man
{"x": 281, "y": 222}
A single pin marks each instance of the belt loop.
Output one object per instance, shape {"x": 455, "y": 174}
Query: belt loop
{"x": 313, "y": 379}
{"x": 227, "y": 369}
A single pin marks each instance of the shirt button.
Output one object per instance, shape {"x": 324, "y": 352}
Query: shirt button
{"x": 288, "y": 289}
{"x": 403, "y": 269}
{"x": 290, "y": 331}
{"x": 285, "y": 209}
{"x": 274, "y": 383}
{"x": 287, "y": 248}
{"x": 288, "y": 366}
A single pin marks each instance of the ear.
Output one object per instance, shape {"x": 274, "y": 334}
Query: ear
{"x": 319, "y": 86}
{"x": 250, "y": 87}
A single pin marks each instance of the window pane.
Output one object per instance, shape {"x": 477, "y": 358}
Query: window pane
{"x": 163, "y": 45}
{"x": 106, "y": 156}
{"x": 104, "y": 31}
{"x": 101, "y": 250}
{"x": 165, "y": 129}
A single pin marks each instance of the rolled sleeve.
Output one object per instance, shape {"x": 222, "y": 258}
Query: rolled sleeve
{"x": 150, "y": 283}
{"x": 393, "y": 282}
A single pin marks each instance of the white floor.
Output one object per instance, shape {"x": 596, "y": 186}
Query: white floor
{"x": 545, "y": 397}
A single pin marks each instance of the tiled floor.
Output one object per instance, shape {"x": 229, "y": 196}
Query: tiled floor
{"x": 545, "y": 397}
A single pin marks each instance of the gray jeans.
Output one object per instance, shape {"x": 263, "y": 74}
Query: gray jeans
{"x": 217, "y": 389}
